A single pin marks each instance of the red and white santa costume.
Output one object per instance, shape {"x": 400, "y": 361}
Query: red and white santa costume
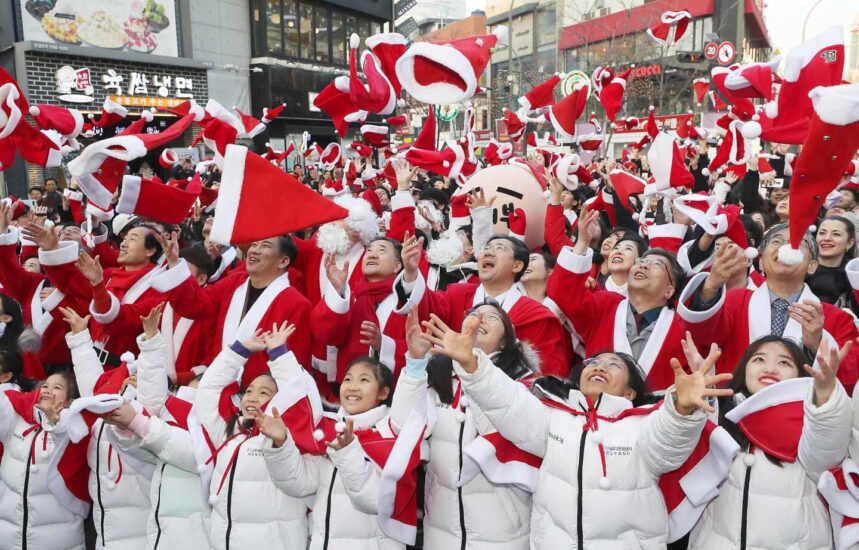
{"x": 619, "y": 463}
{"x": 119, "y": 483}
{"x": 40, "y": 507}
{"x": 179, "y": 510}
{"x": 117, "y": 304}
{"x": 224, "y": 302}
{"x": 741, "y": 316}
{"x": 248, "y": 510}
{"x": 42, "y": 315}
{"x": 778, "y": 502}
{"x": 600, "y": 318}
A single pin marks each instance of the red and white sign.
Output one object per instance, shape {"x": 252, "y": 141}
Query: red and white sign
{"x": 710, "y": 50}
{"x": 727, "y": 52}
{"x": 668, "y": 122}
{"x": 647, "y": 70}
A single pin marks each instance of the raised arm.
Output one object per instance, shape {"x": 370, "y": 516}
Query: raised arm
{"x": 295, "y": 474}
{"x": 152, "y": 386}
{"x": 223, "y": 371}
{"x": 88, "y": 369}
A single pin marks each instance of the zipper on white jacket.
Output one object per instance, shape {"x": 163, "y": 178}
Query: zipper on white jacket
{"x": 158, "y": 508}
{"x": 328, "y": 510}
{"x": 26, "y": 506}
{"x": 580, "y": 535}
{"x": 98, "y": 483}
{"x": 459, "y": 491}
{"x": 230, "y": 499}
{"x": 744, "y": 521}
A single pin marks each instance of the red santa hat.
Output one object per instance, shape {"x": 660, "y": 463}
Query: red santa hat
{"x": 454, "y": 160}
{"x": 251, "y": 126}
{"x": 362, "y": 150}
{"x": 396, "y": 149}
{"x": 630, "y": 122}
{"x": 550, "y": 139}
{"x": 541, "y": 95}
{"x": 667, "y": 236}
{"x": 667, "y": 164}
{"x": 596, "y": 123}
{"x": 564, "y": 113}
{"x": 591, "y": 142}
{"x": 754, "y": 80}
{"x": 251, "y": 187}
{"x": 718, "y": 104}
{"x": 532, "y": 139}
{"x": 331, "y": 155}
{"x": 188, "y": 107}
{"x": 441, "y": 73}
{"x": 335, "y": 101}
{"x": 601, "y": 77}
{"x": 388, "y": 47}
{"x": 565, "y": 168}
{"x": 111, "y": 113}
{"x": 426, "y": 137}
{"x": 68, "y": 122}
{"x": 716, "y": 219}
{"x": 101, "y": 165}
{"x": 515, "y": 126}
{"x": 764, "y": 167}
{"x": 651, "y": 126}
{"x": 164, "y": 203}
{"x": 377, "y": 95}
{"x": 168, "y": 158}
{"x": 626, "y": 185}
{"x": 377, "y": 136}
{"x": 611, "y": 96}
{"x": 395, "y": 121}
{"x": 733, "y": 149}
{"x": 496, "y": 153}
{"x": 676, "y": 20}
{"x": 701, "y": 86}
{"x": 832, "y": 141}
{"x": 271, "y": 113}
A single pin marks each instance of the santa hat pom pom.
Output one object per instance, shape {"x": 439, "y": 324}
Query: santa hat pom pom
{"x": 34, "y": 111}
{"x": 502, "y": 34}
{"x": 771, "y": 109}
{"x": 318, "y": 435}
{"x": 446, "y": 164}
{"x": 479, "y": 42}
{"x": 651, "y": 108}
{"x": 751, "y": 129}
{"x": 604, "y": 483}
{"x": 401, "y": 102}
{"x": 705, "y": 172}
{"x": 635, "y": 216}
{"x": 812, "y": 228}
{"x": 339, "y": 427}
{"x": 147, "y": 115}
{"x": 354, "y": 41}
{"x": 789, "y": 256}
{"x": 750, "y": 253}
{"x": 128, "y": 358}
{"x": 613, "y": 126}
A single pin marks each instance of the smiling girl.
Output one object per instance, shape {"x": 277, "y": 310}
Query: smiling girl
{"x": 344, "y": 481}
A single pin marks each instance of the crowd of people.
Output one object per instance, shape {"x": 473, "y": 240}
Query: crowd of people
{"x": 659, "y": 354}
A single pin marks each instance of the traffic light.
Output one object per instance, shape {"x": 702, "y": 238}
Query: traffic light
{"x": 690, "y": 57}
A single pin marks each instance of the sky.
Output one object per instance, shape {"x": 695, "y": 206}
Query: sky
{"x": 785, "y": 18}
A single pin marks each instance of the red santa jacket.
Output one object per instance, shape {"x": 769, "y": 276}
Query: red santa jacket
{"x": 534, "y": 322}
{"x": 742, "y": 315}
{"x": 187, "y": 343}
{"x": 130, "y": 294}
{"x": 600, "y": 318}
{"x": 224, "y": 302}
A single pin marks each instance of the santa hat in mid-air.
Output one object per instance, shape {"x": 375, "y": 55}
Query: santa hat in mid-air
{"x": 701, "y": 87}
{"x": 754, "y": 80}
{"x": 363, "y": 150}
{"x": 168, "y": 158}
{"x": 733, "y": 149}
{"x": 388, "y": 47}
{"x": 252, "y": 126}
{"x": 564, "y": 113}
{"x": 496, "y": 153}
{"x": 426, "y": 137}
{"x": 515, "y": 126}
{"x": 541, "y": 95}
{"x": 395, "y": 121}
{"x": 676, "y": 20}
{"x": 377, "y": 95}
{"x": 335, "y": 101}
{"x": 251, "y": 187}
{"x": 455, "y": 160}
{"x": 591, "y": 142}
{"x": 626, "y": 185}
{"x": 716, "y": 219}
{"x": 441, "y": 73}
{"x": 331, "y": 155}
{"x": 67, "y": 122}
{"x": 377, "y": 136}
{"x": 611, "y": 95}
{"x": 271, "y": 113}
{"x": 111, "y": 113}
{"x": 667, "y": 163}
{"x": 149, "y": 199}
{"x": 832, "y": 141}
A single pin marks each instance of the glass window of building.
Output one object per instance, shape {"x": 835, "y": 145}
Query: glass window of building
{"x": 351, "y": 24}
{"x": 290, "y": 28}
{"x": 306, "y": 30}
{"x": 273, "y": 27}
{"x": 338, "y": 39}
{"x": 546, "y": 21}
{"x": 321, "y": 30}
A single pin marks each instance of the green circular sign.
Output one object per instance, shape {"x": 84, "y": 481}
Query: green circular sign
{"x": 571, "y": 80}
{"x": 447, "y": 113}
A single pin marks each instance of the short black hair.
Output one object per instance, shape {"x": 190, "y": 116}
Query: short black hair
{"x": 436, "y": 195}
{"x": 754, "y": 233}
{"x": 150, "y": 242}
{"x": 398, "y": 246}
{"x": 634, "y": 238}
{"x": 520, "y": 251}
{"x": 287, "y": 248}
{"x": 384, "y": 375}
{"x": 675, "y": 271}
{"x": 198, "y": 257}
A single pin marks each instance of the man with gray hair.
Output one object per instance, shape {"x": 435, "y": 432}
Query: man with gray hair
{"x": 783, "y": 306}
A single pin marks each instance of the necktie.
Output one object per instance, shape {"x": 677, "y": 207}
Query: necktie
{"x": 639, "y": 321}
{"x": 779, "y": 316}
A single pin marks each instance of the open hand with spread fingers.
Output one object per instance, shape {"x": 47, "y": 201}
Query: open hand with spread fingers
{"x": 693, "y": 391}
{"x": 458, "y": 346}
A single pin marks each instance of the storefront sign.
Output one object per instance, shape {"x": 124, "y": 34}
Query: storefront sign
{"x": 133, "y": 88}
{"x": 571, "y": 80}
{"x": 647, "y": 70}
{"x": 401, "y": 7}
{"x": 75, "y": 86}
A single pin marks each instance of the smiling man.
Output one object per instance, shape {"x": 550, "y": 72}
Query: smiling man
{"x": 241, "y": 302}
{"x": 644, "y": 325}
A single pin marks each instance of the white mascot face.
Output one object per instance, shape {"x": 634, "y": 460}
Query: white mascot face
{"x": 513, "y": 186}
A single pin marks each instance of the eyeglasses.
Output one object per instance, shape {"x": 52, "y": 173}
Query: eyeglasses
{"x": 492, "y": 317}
{"x": 651, "y": 262}
{"x": 497, "y": 248}
{"x": 606, "y": 363}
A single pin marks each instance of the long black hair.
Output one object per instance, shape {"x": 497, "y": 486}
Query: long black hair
{"x": 511, "y": 359}
{"x": 738, "y": 384}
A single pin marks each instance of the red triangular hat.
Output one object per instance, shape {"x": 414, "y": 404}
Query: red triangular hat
{"x": 189, "y": 106}
{"x": 718, "y": 104}
{"x": 331, "y": 155}
{"x": 753, "y": 81}
{"x": 441, "y": 73}
{"x": 68, "y": 122}
{"x": 667, "y": 164}
{"x": 532, "y": 139}
{"x": 271, "y": 113}
{"x": 111, "y": 113}
{"x": 734, "y": 148}
{"x": 362, "y": 150}
{"x": 395, "y": 121}
{"x": 591, "y": 142}
{"x": 611, "y": 96}
{"x": 252, "y": 126}
{"x": 541, "y": 95}
{"x": 626, "y": 185}
{"x": 426, "y": 137}
{"x": 388, "y": 47}
{"x": 452, "y": 161}
{"x": 251, "y": 188}
{"x": 741, "y": 107}
{"x": 377, "y": 136}
{"x": 764, "y": 167}
{"x": 377, "y": 95}
{"x": 564, "y": 113}
{"x": 701, "y": 87}
{"x": 164, "y": 203}
{"x": 661, "y": 30}
{"x": 651, "y": 126}
{"x": 168, "y": 158}
{"x": 515, "y": 126}
{"x": 334, "y": 100}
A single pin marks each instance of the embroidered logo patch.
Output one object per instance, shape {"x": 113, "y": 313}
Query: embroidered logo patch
{"x": 829, "y": 56}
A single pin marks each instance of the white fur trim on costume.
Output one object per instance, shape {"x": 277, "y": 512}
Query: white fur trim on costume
{"x": 402, "y": 199}
{"x": 10, "y": 237}
{"x": 130, "y": 193}
{"x": 391, "y": 38}
{"x": 852, "y": 270}
{"x": 65, "y": 253}
{"x": 802, "y": 55}
{"x": 576, "y": 263}
{"x": 697, "y": 316}
{"x": 335, "y": 302}
{"x": 170, "y": 279}
{"x": 786, "y": 391}
{"x": 110, "y": 315}
{"x": 229, "y": 194}
{"x": 838, "y": 105}
{"x": 439, "y": 92}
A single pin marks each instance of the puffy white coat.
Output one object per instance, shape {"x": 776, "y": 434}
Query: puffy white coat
{"x": 630, "y": 512}
{"x": 345, "y": 485}
{"x": 495, "y": 517}
{"x": 179, "y": 514}
{"x": 28, "y": 509}
{"x": 784, "y": 508}
{"x": 118, "y": 484}
{"x": 249, "y": 511}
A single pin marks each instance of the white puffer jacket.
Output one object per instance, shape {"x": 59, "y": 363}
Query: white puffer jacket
{"x": 249, "y": 511}
{"x": 784, "y": 507}
{"x": 119, "y": 484}
{"x": 628, "y": 510}
{"x": 28, "y": 509}
{"x": 179, "y": 514}
{"x": 495, "y": 517}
